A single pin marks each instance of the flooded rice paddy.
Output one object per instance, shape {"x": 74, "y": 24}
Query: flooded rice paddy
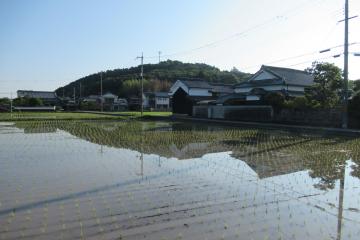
{"x": 159, "y": 180}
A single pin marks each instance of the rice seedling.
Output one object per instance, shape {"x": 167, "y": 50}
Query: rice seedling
{"x": 218, "y": 180}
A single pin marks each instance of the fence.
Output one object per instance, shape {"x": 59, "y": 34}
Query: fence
{"x": 325, "y": 118}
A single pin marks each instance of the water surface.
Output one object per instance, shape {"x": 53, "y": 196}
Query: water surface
{"x": 160, "y": 180}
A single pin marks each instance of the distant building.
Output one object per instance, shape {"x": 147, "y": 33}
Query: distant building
{"x": 156, "y": 100}
{"x": 290, "y": 82}
{"x": 162, "y": 100}
{"x": 186, "y": 93}
{"x": 148, "y": 100}
{"x": 134, "y": 103}
{"x": 110, "y": 102}
{"x": 48, "y": 98}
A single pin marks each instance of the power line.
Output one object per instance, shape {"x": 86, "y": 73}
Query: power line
{"x": 280, "y": 17}
{"x": 299, "y": 56}
{"x": 315, "y": 60}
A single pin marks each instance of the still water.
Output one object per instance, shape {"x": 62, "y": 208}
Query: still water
{"x": 160, "y": 180}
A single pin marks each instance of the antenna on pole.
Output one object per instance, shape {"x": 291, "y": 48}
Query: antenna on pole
{"x": 142, "y": 82}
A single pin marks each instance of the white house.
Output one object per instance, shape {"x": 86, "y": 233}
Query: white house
{"x": 186, "y": 93}
{"x": 290, "y": 82}
{"x": 162, "y": 100}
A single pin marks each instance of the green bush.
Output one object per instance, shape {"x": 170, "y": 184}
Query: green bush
{"x": 275, "y": 99}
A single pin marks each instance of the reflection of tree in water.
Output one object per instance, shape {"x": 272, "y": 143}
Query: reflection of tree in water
{"x": 272, "y": 152}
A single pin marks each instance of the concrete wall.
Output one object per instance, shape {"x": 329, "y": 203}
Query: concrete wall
{"x": 241, "y": 113}
{"x": 324, "y": 118}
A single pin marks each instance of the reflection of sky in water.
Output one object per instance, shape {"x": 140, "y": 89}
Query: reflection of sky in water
{"x": 55, "y": 185}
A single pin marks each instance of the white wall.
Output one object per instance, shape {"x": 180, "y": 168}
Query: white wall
{"x": 243, "y": 90}
{"x": 272, "y": 88}
{"x": 264, "y": 76}
{"x": 162, "y": 101}
{"x": 267, "y": 88}
{"x": 178, "y": 84}
{"x": 252, "y": 98}
{"x": 295, "y": 88}
{"x": 191, "y": 91}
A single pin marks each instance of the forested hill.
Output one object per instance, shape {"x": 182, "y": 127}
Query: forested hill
{"x": 158, "y": 77}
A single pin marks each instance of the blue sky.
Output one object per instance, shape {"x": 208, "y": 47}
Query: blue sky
{"x": 47, "y": 44}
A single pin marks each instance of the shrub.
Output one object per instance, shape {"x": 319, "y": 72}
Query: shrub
{"x": 275, "y": 99}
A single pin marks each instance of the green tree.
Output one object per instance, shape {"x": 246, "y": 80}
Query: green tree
{"x": 34, "y": 102}
{"x": 327, "y": 84}
{"x": 4, "y": 101}
{"x": 275, "y": 99}
{"x": 356, "y": 86}
{"x": 20, "y": 101}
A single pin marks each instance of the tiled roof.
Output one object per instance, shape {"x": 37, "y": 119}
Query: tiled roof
{"x": 285, "y": 76}
{"x": 161, "y": 94}
{"x": 196, "y": 83}
{"x": 214, "y": 87}
{"x": 222, "y": 88}
{"x": 291, "y": 76}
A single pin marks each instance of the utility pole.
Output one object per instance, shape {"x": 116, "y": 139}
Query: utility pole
{"x": 80, "y": 91}
{"x": 11, "y": 103}
{"x": 74, "y": 96}
{"x": 142, "y": 82}
{"x": 346, "y": 67}
{"x": 159, "y": 56}
{"x": 101, "y": 92}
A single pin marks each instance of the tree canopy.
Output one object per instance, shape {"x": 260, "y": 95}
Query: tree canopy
{"x": 158, "y": 77}
{"x": 327, "y": 86}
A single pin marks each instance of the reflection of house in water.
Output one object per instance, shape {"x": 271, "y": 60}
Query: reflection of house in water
{"x": 271, "y": 163}
{"x": 38, "y": 129}
{"x": 196, "y": 150}
{"x": 264, "y": 163}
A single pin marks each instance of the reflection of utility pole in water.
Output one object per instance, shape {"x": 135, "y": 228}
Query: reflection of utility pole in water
{"x": 159, "y": 164}
{"x": 341, "y": 201}
{"x": 141, "y": 157}
{"x": 101, "y": 149}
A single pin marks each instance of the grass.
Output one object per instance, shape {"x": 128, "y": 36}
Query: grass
{"x": 154, "y": 114}
{"x": 23, "y": 116}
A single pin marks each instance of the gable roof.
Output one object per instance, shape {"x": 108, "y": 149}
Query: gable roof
{"x": 196, "y": 83}
{"x": 285, "y": 75}
{"x": 162, "y": 94}
{"x": 213, "y": 87}
{"x": 222, "y": 88}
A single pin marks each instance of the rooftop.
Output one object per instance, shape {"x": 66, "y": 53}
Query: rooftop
{"x": 287, "y": 75}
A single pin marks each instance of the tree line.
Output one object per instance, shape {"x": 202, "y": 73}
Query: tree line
{"x": 158, "y": 77}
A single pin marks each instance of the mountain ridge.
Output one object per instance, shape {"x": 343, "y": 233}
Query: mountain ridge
{"x": 158, "y": 77}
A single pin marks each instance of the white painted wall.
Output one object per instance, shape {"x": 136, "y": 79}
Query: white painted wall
{"x": 296, "y": 88}
{"x": 267, "y": 88}
{"x": 162, "y": 101}
{"x": 252, "y": 98}
{"x": 272, "y": 88}
{"x": 264, "y": 76}
{"x": 243, "y": 90}
{"x": 178, "y": 84}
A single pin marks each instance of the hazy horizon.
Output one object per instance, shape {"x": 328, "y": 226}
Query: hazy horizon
{"x": 47, "y": 44}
